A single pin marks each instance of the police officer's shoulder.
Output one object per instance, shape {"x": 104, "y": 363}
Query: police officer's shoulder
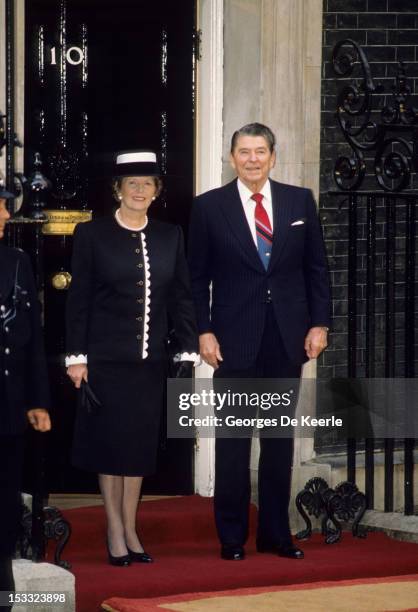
{"x": 18, "y": 254}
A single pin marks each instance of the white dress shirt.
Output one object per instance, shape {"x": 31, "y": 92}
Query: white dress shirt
{"x": 249, "y": 205}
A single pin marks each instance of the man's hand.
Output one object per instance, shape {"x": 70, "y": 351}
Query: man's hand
{"x": 316, "y": 341}
{"x": 77, "y": 373}
{"x": 39, "y": 419}
{"x": 210, "y": 350}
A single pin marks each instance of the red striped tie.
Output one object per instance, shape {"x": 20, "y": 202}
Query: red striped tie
{"x": 263, "y": 229}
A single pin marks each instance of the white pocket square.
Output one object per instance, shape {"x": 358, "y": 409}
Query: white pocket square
{"x": 300, "y": 222}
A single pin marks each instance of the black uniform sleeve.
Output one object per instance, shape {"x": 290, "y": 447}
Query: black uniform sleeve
{"x": 37, "y": 387}
{"x": 79, "y": 293}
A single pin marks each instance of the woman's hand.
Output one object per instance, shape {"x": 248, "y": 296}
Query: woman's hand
{"x": 77, "y": 373}
{"x": 39, "y": 419}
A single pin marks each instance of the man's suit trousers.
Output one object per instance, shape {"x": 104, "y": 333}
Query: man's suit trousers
{"x": 232, "y": 464}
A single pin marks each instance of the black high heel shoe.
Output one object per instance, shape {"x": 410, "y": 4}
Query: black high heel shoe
{"x": 140, "y": 557}
{"x": 122, "y": 561}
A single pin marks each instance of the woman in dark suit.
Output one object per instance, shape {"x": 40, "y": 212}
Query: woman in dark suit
{"x": 24, "y": 393}
{"x": 129, "y": 277}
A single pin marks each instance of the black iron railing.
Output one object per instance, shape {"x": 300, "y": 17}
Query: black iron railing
{"x": 396, "y": 317}
{"x": 375, "y": 180}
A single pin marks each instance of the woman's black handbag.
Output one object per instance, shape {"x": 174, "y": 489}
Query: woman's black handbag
{"x": 88, "y": 399}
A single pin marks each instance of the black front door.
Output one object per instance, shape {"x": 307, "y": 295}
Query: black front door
{"x": 103, "y": 76}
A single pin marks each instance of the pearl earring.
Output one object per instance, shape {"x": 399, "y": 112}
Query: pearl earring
{"x": 119, "y": 197}
{"x": 154, "y": 198}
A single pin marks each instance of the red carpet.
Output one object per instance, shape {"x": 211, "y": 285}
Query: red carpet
{"x": 179, "y": 533}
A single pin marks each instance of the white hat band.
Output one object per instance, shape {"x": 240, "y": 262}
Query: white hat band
{"x": 138, "y": 156}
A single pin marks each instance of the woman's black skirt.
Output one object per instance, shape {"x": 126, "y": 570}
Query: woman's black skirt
{"x": 121, "y": 436}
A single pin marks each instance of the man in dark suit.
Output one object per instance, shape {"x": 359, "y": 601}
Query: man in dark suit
{"x": 259, "y": 244}
{"x": 24, "y": 394}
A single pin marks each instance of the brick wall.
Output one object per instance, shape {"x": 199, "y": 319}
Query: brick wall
{"x": 387, "y": 30}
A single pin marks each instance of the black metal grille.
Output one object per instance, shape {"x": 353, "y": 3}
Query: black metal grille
{"x": 390, "y": 273}
{"x": 373, "y": 177}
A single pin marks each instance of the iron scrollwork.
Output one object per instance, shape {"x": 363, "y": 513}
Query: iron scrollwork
{"x": 313, "y": 499}
{"x": 343, "y": 504}
{"x": 347, "y": 504}
{"x": 373, "y": 128}
{"x": 59, "y": 529}
{"x": 55, "y": 527}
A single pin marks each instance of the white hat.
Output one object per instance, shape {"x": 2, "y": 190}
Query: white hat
{"x": 136, "y": 163}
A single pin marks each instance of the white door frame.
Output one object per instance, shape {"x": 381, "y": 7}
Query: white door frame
{"x": 208, "y": 173}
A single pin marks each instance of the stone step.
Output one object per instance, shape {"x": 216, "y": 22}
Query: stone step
{"x": 44, "y": 578}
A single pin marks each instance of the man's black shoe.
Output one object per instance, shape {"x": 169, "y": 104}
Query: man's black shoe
{"x": 289, "y": 551}
{"x": 232, "y": 553}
